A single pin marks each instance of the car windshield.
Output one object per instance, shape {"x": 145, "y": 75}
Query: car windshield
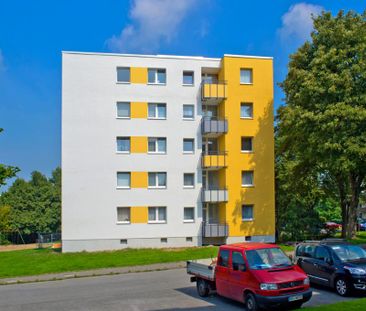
{"x": 267, "y": 258}
{"x": 349, "y": 252}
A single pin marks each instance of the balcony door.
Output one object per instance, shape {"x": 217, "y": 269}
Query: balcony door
{"x": 210, "y": 146}
{"x": 211, "y": 213}
{"x": 210, "y": 78}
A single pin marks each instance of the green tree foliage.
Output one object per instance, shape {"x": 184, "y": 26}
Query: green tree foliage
{"x": 6, "y": 171}
{"x": 323, "y": 124}
{"x": 35, "y": 206}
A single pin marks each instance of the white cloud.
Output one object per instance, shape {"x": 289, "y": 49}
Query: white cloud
{"x": 297, "y": 22}
{"x": 152, "y": 22}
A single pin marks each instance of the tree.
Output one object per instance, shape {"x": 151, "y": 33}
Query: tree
{"x": 323, "y": 124}
{"x": 6, "y": 171}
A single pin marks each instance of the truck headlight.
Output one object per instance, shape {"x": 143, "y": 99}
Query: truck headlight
{"x": 358, "y": 271}
{"x": 268, "y": 286}
{"x": 306, "y": 281}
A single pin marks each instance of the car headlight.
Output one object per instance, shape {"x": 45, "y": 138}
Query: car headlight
{"x": 268, "y": 286}
{"x": 358, "y": 271}
{"x": 306, "y": 281}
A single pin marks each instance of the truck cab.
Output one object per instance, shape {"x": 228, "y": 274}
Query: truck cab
{"x": 257, "y": 274}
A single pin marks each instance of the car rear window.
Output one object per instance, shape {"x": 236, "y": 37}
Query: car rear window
{"x": 305, "y": 250}
{"x": 223, "y": 259}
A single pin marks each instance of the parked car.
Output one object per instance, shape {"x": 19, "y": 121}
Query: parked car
{"x": 362, "y": 225}
{"x": 257, "y": 274}
{"x": 333, "y": 263}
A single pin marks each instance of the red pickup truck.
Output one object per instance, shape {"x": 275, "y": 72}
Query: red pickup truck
{"x": 259, "y": 275}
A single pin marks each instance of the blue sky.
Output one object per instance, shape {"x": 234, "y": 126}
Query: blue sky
{"x": 33, "y": 34}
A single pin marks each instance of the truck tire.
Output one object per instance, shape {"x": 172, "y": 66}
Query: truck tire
{"x": 202, "y": 288}
{"x": 251, "y": 302}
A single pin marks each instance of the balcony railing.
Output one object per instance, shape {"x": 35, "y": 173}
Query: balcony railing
{"x": 214, "y": 230}
{"x": 213, "y": 160}
{"x": 213, "y": 127}
{"x": 214, "y": 195}
{"x": 213, "y": 93}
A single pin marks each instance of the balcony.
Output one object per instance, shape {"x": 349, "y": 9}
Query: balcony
{"x": 213, "y": 93}
{"x": 214, "y": 230}
{"x": 213, "y": 160}
{"x": 213, "y": 127}
{"x": 214, "y": 195}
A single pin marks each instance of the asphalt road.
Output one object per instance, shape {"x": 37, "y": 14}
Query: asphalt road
{"x": 160, "y": 290}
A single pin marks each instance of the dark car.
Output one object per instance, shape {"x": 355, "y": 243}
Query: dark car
{"x": 336, "y": 264}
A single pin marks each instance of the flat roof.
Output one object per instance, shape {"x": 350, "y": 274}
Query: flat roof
{"x": 165, "y": 56}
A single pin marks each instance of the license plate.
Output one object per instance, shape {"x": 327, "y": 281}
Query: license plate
{"x": 294, "y": 298}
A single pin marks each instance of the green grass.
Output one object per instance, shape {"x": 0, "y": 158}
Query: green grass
{"x": 42, "y": 261}
{"x": 360, "y": 238}
{"x": 286, "y": 248}
{"x": 354, "y": 305}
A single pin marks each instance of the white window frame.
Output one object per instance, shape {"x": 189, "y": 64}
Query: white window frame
{"x": 156, "y": 111}
{"x": 123, "y": 152}
{"x": 188, "y": 118}
{"x": 157, "y": 180}
{"x": 124, "y": 221}
{"x": 129, "y": 72}
{"x": 156, "y": 139}
{"x": 242, "y": 214}
{"x": 156, "y": 76}
{"x": 188, "y": 152}
{"x": 241, "y": 144}
{"x": 189, "y": 186}
{"x": 247, "y": 185}
{"x": 191, "y": 72}
{"x": 189, "y": 220}
{"x": 124, "y": 187}
{"x": 157, "y": 221}
{"x": 251, "y": 76}
{"x": 129, "y": 109}
{"x": 247, "y": 104}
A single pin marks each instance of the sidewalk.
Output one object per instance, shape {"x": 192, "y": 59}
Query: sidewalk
{"x": 91, "y": 273}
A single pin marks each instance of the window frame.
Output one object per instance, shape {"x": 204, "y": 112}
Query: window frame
{"x": 242, "y": 214}
{"x": 188, "y": 152}
{"x": 129, "y": 144}
{"x": 251, "y": 76}
{"x": 185, "y": 72}
{"x": 189, "y": 186}
{"x": 124, "y": 187}
{"x": 157, "y": 180}
{"x": 156, "y": 111}
{"x": 189, "y": 220}
{"x": 242, "y": 174}
{"x": 157, "y": 221}
{"x": 124, "y": 222}
{"x": 193, "y": 111}
{"x": 156, "y": 76}
{"x": 156, "y": 145}
{"x": 129, "y": 110}
{"x": 247, "y": 104}
{"x": 251, "y": 144}
{"x": 129, "y": 75}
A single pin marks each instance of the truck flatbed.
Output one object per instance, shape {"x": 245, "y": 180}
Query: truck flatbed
{"x": 202, "y": 269}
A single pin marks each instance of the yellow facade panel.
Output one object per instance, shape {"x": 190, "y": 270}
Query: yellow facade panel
{"x": 139, "y": 214}
{"x": 139, "y": 180}
{"x": 138, "y": 75}
{"x": 138, "y": 110}
{"x": 138, "y": 144}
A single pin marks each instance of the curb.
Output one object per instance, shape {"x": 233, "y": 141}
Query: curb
{"x": 92, "y": 273}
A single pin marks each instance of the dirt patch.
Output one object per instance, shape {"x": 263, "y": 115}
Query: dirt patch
{"x": 8, "y": 248}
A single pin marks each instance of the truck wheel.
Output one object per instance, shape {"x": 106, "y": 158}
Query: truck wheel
{"x": 202, "y": 288}
{"x": 342, "y": 287}
{"x": 250, "y": 302}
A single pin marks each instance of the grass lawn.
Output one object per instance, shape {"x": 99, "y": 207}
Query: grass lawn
{"x": 41, "y": 261}
{"x": 360, "y": 238}
{"x": 354, "y": 305}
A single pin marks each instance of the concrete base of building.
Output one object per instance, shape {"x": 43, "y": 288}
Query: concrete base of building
{"x": 253, "y": 238}
{"x": 116, "y": 244}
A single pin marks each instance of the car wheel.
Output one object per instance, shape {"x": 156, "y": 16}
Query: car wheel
{"x": 202, "y": 288}
{"x": 250, "y": 302}
{"x": 342, "y": 287}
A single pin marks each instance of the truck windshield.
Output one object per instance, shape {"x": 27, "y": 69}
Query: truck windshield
{"x": 349, "y": 252}
{"x": 267, "y": 258}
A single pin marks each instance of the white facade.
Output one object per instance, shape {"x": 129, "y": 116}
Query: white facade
{"x": 90, "y": 162}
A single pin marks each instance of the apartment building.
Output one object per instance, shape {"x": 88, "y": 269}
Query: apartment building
{"x": 166, "y": 151}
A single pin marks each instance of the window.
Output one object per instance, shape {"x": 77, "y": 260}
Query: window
{"x": 123, "y": 241}
{"x": 123, "y": 180}
{"x": 157, "y": 214}
{"x": 157, "y": 180}
{"x": 248, "y": 238}
{"x": 123, "y": 144}
{"x": 156, "y": 76}
{"x": 238, "y": 261}
{"x": 247, "y": 178}
{"x": 156, "y": 111}
{"x": 247, "y": 212}
{"x": 246, "y": 111}
{"x": 188, "y": 112}
{"x": 123, "y": 74}
{"x": 189, "y": 214}
{"x": 189, "y": 239}
{"x": 157, "y": 145}
{"x": 188, "y": 77}
{"x": 164, "y": 240}
{"x": 123, "y": 215}
{"x": 123, "y": 110}
{"x": 247, "y": 144}
{"x": 223, "y": 259}
{"x": 188, "y": 180}
{"x": 188, "y": 145}
{"x": 321, "y": 253}
{"x": 305, "y": 250}
{"x": 246, "y": 76}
